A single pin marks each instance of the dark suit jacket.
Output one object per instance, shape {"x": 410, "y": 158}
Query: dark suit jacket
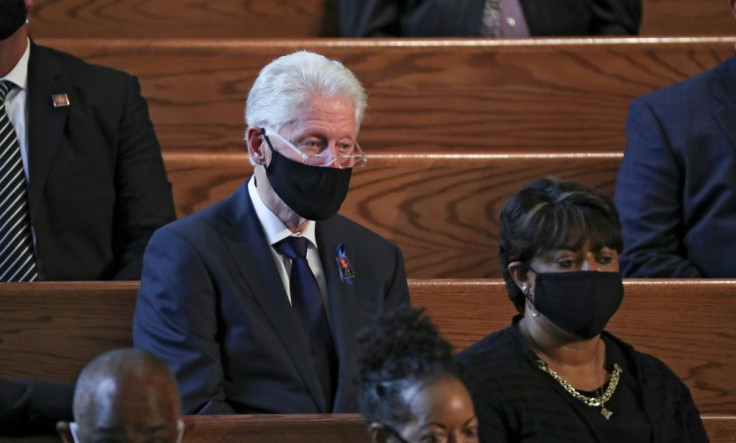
{"x": 98, "y": 187}
{"x": 33, "y": 407}
{"x": 676, "y": 188}
{"x": 462, "y": 18}
{"x": 212, "y": 305}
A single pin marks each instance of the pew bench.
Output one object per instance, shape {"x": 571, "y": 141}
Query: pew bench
{"x": 442, "y": 95}
{"x": 441, "y": 209}
{"x": 51, "y": 330}
{"x": 327, "y": 428}
{"x": 291, "y": 19}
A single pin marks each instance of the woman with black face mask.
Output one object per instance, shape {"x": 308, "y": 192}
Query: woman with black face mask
{"x": 555, "y": 375}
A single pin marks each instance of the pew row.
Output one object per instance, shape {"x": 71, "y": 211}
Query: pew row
{"x": 442, "y": 210}
{"x": 291, "y": 19}
{"x": 50, "y": 330}
{"x": 456, "y": 95}
{"x": 332, "y": 428}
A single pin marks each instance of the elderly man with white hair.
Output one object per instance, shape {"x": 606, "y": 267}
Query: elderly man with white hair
{"x": 254, "y": 302}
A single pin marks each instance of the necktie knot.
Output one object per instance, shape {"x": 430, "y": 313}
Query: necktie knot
{"x": 5, "y": 87}
{"x": 293, "y": 247}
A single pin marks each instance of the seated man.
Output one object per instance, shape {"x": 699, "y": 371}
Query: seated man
{"x": 676, "y": 188}
{"x": 83, "y": 185}
{"x": 125, "y": 395}
{"x": 254, "y": 302}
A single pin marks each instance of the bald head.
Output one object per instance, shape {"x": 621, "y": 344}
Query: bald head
{"x": 126, "y": 395}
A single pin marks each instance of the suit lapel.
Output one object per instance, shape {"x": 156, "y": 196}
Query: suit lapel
{"x": 46, "y": 123}
{"x": 249, "y": 248}
{"x": 724, "y": 96}
{"x": 342, "y": 305}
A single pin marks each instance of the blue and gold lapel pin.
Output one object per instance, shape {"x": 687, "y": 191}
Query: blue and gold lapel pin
{"x": 343, "y": 265}
{"x": 60, "y": 100}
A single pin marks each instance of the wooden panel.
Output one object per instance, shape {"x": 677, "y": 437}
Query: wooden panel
{"x": 294, "y": 19}
{"x": 316, "y": 428}
{"x": 441, "y": 210}
{"x": 687, "y": 17}
{"x": 341, "y": 428}
{"x": 559, "y": 95}
{"x": 685, "y": 323}
{"x": 184, "y": 18}
{"x": 50, "y": 330}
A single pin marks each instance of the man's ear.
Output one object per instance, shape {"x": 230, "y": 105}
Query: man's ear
{"x": 64, "y": 431}
{"x": 520, "y": 275}
{"x": 378, "y": 433}
{"x": 258, "y": 150}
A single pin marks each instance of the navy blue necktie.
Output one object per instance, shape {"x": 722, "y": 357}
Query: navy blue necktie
{"x": 306, "y": 298}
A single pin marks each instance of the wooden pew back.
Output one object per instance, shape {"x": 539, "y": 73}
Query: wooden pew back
{"x": 442, "y": 210}
{"x": 51, "y": 330}
{"x": 292, "y": 19}
{"x": 440, "y": 96}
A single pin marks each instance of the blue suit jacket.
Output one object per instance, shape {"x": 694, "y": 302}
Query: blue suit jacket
{"x": 676, "y": 189}
{"x": 212, "y": 305}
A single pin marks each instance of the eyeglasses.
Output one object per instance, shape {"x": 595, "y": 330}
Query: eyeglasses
{"x": 350, "y": 155}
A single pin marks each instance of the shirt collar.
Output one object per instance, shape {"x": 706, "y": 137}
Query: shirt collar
{"x": 19, "y": 74}
{"x": 274, "y": 228}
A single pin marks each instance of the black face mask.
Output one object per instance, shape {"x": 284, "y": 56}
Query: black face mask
{"x": 12, "y": 16}
{"x": 313, "y": 192}
{"x": 580, "y": 302}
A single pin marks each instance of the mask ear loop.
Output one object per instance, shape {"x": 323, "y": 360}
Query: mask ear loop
{"x": 528, "y": 294}
{"x": 74, "y": 429}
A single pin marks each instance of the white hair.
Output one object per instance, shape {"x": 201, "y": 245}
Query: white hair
{"x": 292, "y": 79}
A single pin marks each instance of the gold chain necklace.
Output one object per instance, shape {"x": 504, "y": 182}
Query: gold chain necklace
{"x": 598, "y": 401}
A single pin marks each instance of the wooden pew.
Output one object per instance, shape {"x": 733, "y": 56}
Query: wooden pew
{"x": 184, "y": 19}
{"x": 440, "y": 96}
{"x": 442, "y": 210}
{"x": 292, "y": 19}
{"x": 51, "y": 330}
{"x": 335, "y": 428}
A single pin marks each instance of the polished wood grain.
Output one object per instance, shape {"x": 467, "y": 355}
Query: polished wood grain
{"x": 184, "y": 18}
{"x": 330, "y": 428}
{"x": 294, "y": 19}
{"x": 295, "y": 428}
{"x": 457, "y": 95}
{"x": 687, "y": 17}
{"x": 442, "y": 210}
{"x": 50, "y": 330}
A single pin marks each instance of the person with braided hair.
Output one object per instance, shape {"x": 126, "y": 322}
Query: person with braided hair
{"x": 409, "y": 389}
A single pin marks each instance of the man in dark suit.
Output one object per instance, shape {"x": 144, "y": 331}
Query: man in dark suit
{"x": 247, "y": 324}
{"x": 96, "y": 184}
{"x": 676, "y": 188}
{"x": 495, "y": 18}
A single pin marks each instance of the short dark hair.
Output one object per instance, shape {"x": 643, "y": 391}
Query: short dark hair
{"x": 400, "y": 351}
{"x": 551, "y": 213}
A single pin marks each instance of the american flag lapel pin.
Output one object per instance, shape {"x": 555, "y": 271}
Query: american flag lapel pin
{"x": 60, "y": 100}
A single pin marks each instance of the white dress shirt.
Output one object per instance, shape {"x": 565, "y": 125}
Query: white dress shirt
{"x": 276, "y": 231}
{"x": 15, "y": 103}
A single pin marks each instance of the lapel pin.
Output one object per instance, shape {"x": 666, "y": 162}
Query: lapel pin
{"x": 343, "y": 265}
{"x": 60, "y": 100}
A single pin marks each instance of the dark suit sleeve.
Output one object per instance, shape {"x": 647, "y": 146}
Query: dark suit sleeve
{"x": 616, "y": 17}
{"x": 371, "y": 18}
{"x": 397, "y": 290}
{"x": 30, "y": 407}
{"x": 176, "y": 319}
{"x": 648, "y": 198}
{"x": 143, "y": 193}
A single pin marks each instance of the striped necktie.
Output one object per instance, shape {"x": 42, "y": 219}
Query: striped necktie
{"x": 16, "y": 240}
